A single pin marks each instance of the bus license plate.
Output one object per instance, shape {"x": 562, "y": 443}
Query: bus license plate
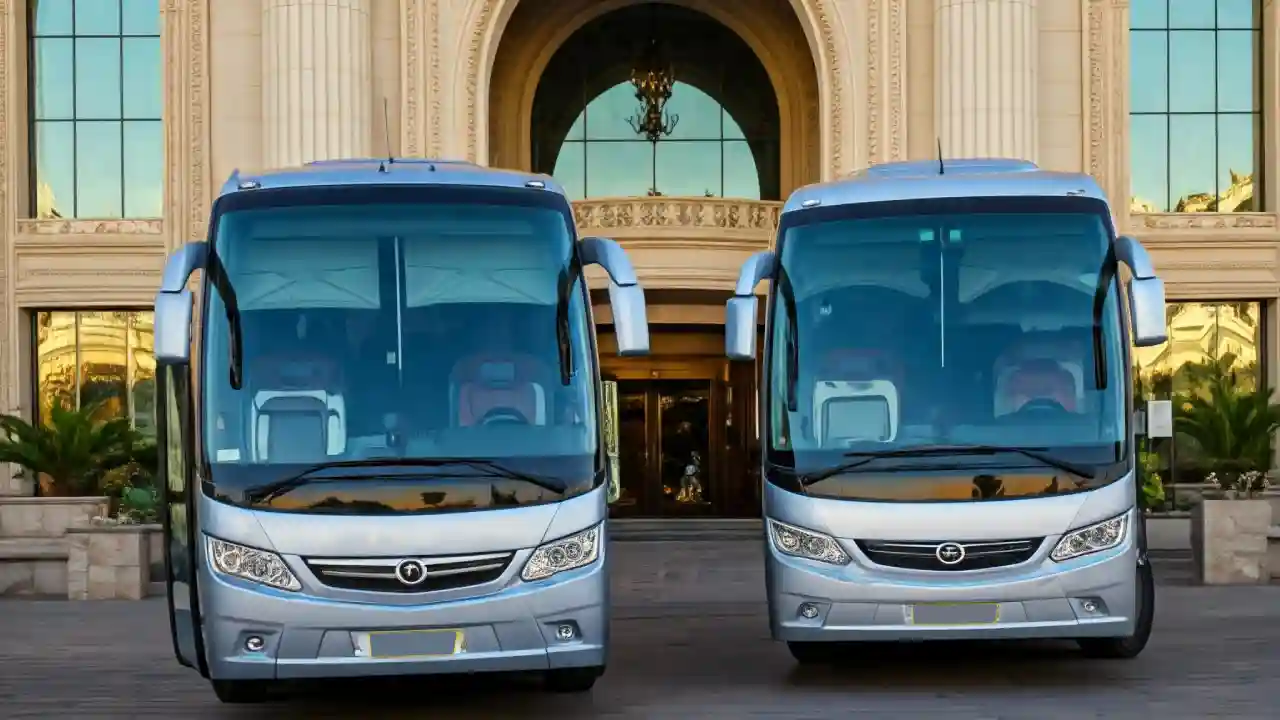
{"x": 955, "y": 614}
{"x": 409, "y": 643}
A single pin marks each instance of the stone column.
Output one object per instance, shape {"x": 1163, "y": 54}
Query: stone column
{"x": 985, "y": 78}
{"x": 317, "y": 79}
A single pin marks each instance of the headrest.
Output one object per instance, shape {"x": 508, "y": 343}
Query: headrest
{"x": 497, "y": 374}
{"x": 860, "y": 363}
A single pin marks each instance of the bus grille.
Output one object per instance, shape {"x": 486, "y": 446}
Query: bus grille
{"x": 923, "y": 554}
{"x": 379, "y": 574}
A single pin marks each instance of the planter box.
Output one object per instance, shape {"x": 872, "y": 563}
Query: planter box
{"x": 1229, "y": 541}
{"x": 47, "y": 517}
{"x": 110, "y": 562}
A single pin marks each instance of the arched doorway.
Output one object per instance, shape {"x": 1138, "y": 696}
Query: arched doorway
{"x": 690, "y": 200}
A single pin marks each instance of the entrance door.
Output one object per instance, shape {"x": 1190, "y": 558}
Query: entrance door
{"x": 667, "y": 462}
{"x": 175, "y": 447}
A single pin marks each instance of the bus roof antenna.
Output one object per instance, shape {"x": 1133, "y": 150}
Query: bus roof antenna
{"x": 942, "y": 168}
{"x": 386, "y": 129}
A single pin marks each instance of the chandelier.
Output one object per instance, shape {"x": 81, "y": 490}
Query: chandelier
{"x": 653, "y": 79}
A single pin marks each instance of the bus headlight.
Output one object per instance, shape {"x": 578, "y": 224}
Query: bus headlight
{"x": 807, "y": 544}
{"x": 246, "y": 563}
{"x": 568, "y": 553}
{"x": 1092, "y": 538}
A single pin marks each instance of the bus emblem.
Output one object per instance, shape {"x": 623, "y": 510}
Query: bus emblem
{"x": 410, "y": 572}
{"x": 949, "y": 553}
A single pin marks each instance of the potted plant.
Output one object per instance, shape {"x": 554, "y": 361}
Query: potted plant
{"x": 69, "y": 454}
{"x": 1229, "y": 529}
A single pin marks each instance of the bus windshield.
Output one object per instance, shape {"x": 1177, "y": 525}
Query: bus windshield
{"x": 387, "y": 323}
{"x": 937, "y": 324}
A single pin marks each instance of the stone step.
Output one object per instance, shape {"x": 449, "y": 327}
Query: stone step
{"x": 33, "y": 548}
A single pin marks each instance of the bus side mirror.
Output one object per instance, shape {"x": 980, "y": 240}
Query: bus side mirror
{"x": 1146, "y": 294}
{"x": 741, "y": 312}
{"x": 626, "y": 297}
{"x": 174, "y": 305}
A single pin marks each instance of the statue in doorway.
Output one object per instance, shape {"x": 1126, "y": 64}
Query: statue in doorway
{"x": 690, "y": 486}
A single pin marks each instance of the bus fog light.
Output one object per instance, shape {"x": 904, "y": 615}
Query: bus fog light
{"x": 1089, "y": 606}
{"x": 809, "y": 611}
{"x": 569, "y": 553}
{"x": 565, "y": 633}
{"x": 1092, "y": 538}
{"x": 254, "y": 643}
{"x": 791, "y": 540}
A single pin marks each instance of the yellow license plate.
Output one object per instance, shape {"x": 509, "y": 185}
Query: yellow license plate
{"x": 383, "y": 644}
{"x": 954, "y": 614}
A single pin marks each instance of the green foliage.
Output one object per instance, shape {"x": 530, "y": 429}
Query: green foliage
{"x": 1229, "y": 424}
{"x": 1152, "y": 482}
{"x": 74, "y": 449}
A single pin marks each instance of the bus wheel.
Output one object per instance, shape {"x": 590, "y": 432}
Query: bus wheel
{"x": 241, "y": 692}
{"x": 1124, "y": 648}
{"x": 814, "y": 653}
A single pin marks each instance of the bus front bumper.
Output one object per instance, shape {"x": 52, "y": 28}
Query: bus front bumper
{"x": 1090, "y": 596}
{"x": 520, "y": 627}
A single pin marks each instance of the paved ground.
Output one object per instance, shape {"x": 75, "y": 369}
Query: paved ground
{"x": 690, "y": 641}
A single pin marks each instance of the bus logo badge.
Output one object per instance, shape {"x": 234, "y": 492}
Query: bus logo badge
{"x": 410, "y": 572}
{"x": 949, "y": 553}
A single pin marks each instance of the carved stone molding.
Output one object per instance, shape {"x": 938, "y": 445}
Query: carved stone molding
{"x": 152, "y": 226}
{"x": 480, "y": 33}
{"x": 10, "y": 350}
{"x": 885, "y": 84}
{"x": 672, "y": 212}
{"x": 1203, "y": 221}
{"x": 188, "y": 190}
{"x": 420, "y": 78}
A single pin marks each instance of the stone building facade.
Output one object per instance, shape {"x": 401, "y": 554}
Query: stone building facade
{"x": 121, "y": 119}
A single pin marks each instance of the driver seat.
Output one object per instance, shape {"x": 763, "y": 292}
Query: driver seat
{"x": 1033, "y": 379}
{"x": 492, "y": 387}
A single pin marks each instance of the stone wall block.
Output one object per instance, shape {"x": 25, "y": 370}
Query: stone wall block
{"x": 1229, "y": 541}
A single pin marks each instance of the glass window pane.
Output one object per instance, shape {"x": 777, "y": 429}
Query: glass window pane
{"x": 104, "y": 362}
{"x": 52, "y": 17}
{"x": 1149, "y": 71}
{"x": 55, "y": 160}
{"x": 143, "y": 169}
{"x": 143, "y": 79}
{"x": 696, "y": 112}
{"x": 1148, "y": 14}
{"x": 54, "y": 79}
{"x": 142, "y": 368}
{"x": 97, "y": 78}
{"x": 1191, "y": 13}
{"x": 578, "y": 130}
{"x": 571, "y": 169}
{"x": 1191, "y": 57}
{"x": 689, "y": 169}
{"x": 1192, "y": 162}
{"x": 98, "y": 17}
{"x": 608, "y": 113}
{"x": 55, "y": 362}
{"x": 1237, "y": 158}
{"x": 1237, "y": 14}
{"x": 140, "y": 17}
{"x": 98, "y": 174}
{"x": 741, "y": 176}
{"x": 732, "y": 130}
{"x": 619, "y": 169}
{"x": 1237, "y": 86}
{"x": 1149, "y": 163}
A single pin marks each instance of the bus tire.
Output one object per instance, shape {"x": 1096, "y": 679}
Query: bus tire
{"x": 572, "y": 680}
{"x": 813, "y": 653}
{"x": 1127, "y": 648}
{"x": 241, "y": 692}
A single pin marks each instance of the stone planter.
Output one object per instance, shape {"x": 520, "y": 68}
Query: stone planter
{"x": 1229, "y": 541}
{"x": 47, "y": 517}
{"x": 109, "y": 562}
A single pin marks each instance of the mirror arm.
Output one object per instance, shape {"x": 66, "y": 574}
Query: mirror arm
{"x": 757, "y": 267}
{"x": 1131, "y": 252}
{"x": 184, "y": 261}
{"x": 609, "y": 255}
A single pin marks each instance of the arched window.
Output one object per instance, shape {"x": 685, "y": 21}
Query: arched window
{"x": 725, "y": 142}
{"x": 706, "y": 154}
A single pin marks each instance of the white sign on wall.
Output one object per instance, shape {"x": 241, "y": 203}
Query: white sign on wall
{"x": 1159, "y": 419}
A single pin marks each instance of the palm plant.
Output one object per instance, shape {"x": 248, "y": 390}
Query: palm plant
{"x": 72, "y": 448}
{"x": 1230, "y": 424}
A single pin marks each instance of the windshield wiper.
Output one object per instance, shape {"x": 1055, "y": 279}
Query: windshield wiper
{"x": 218, "y": 278}
{"x": 864, "y": 457}
{"x": 263, "y": 493}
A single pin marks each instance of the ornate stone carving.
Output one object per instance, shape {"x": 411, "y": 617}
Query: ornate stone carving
{"x": 1206, "y": 221}
{"x": 433, "y": 17}
{"x": 152, "y": 226}
{"x": 897, "y": 95}
{"x": 874, "y": 103}
{"x": 615, "y": 213}
{"x": 411, "y": 83}
{"x": 1097, "y": 92}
